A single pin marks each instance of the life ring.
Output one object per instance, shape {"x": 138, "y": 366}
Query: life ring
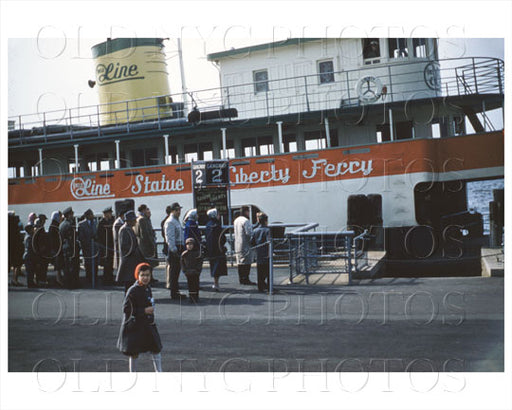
{"x": 369, "y": 89}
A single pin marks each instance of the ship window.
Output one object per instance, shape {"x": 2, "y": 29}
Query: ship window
{"x": 260, "y": 79}
{"x": 172, "y": 158}
{"x": 290, "y": 143}
{"x": 371, "y": 50}
{"x": 318, "y": 140}
{"x": 383, "y": 133}
{"x": 144, "y": 157}
{"x": 249, "y": 147}
{"x": 326, "y": 72}
{"x": 205, "y": 151}
{"x": 198, "y": 152}
{"x": 398, "y": 48}
{"x": 230, "y": 150}
{"x": 420, "y": 47}
{"x": 403, "y": 130}
{"x": 265, "y": 145}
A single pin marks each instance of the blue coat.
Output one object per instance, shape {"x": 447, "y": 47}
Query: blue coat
{"x": 192, "y": 231}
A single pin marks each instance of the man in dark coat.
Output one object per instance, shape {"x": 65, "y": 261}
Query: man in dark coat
{"x": 106, "y": 244}
{"x": 87, "y": 237}
{"x": 70, "y": 250}
{"x": 146, "y": 235}
{"x": 16, "y": 247}
{"x": 56, "y": 245}
{"x": 42, "y": 250}
{"x": 129, "y": 253}
{"x": 260, "y": 239}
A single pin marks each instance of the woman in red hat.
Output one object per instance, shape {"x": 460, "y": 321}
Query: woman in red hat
{"x": 138, "y": 333}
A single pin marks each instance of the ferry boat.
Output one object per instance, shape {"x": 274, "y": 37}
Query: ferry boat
{"x": 372, "y": 133}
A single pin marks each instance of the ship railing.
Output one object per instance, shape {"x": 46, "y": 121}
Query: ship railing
{"x": 322, "y": 253}
{"x": 396, "y": 82}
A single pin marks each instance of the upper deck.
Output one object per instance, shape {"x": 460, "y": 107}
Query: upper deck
{"x": 377, "y": 102}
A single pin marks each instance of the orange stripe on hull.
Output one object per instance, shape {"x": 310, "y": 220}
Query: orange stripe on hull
{"x": 401, "y": 157}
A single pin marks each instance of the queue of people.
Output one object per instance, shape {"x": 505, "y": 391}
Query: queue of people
{"x": 122, "y": 243}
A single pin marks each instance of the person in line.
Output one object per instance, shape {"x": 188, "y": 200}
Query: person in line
{"x": 215, "y": 247}
{"x": 106, "y": 245}
{"x": 146, "y": 235}
{"x": 243, "y": 235}
{"x": 30, "y": 257}
{"x": 129, "y": 253}
{"x": 16, "y": 248}
{"x": 118, "y": 223}
{"x": 56, "y": 246}
{"x": 175, "y": 244}
{"x": 42, "y": 250}
{"x": 31, "y": 218}
{"x": 87, "y": 232}
{"x": 261, "y": 237}
{"x": 168, "y": 210}
{"x": 70, "y": 250}
{"x": 191, "y": 228}
{"x": 138, "y": 333}
{"x": 192, "y": 264}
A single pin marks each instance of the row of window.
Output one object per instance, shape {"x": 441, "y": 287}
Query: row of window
{"x": 325, "y": 76}
{"x": 397, "y": 48}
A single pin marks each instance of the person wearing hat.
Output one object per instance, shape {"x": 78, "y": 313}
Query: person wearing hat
{"x": 56, "y": 246}
{"x": 146, "y": 235}
{"x": 215, "y": 241}
{"x": 192, "y": 264}
{"x": 87, "y": 236}
{"x": 191, "y": 227}
{"x": 42, "y": 250}
{"x": 175, "y": 245}
{"x": 105, "y": 239}
{"x": 30, "y": 256}
{"x": 70, "y": 250}
{"x": 129, "y": 253}
{"x": 138, "y": 332}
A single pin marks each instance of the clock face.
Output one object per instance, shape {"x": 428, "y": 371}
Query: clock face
{"x": 369, "y": 89}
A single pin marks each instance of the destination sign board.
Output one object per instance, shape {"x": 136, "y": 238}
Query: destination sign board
{"x": 207, "y": 173}
{"x": 210, "y": 182}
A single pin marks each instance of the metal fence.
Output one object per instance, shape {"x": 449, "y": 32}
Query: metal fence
{"x": 313, "y": 252}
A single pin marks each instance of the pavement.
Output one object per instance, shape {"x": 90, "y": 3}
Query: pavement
{"x": 374, "y": 325}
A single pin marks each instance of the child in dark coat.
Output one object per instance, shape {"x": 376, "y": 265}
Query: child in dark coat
{"x": 192, "y": 264}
